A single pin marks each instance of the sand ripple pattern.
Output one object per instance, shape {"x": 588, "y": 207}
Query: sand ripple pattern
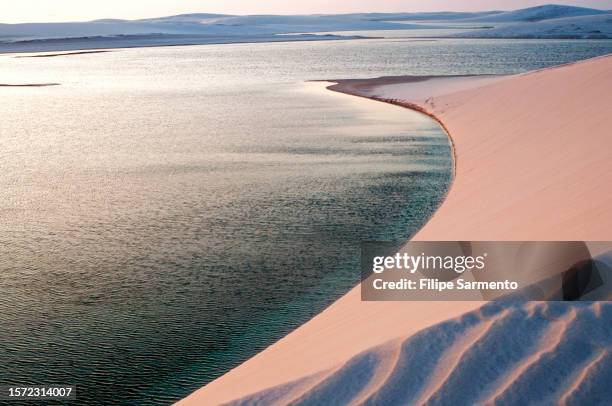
{"x": 505, "y": 353}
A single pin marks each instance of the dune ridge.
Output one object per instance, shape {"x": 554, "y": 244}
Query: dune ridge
{"x": 482, "y": 345}
{"x": 532, "y": 164}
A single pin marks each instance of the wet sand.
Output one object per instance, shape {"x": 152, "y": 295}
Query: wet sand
{"x": 29, "y": 84}
{"x": 62, "y": 54}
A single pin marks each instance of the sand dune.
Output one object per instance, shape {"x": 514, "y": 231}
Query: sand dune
{"x": 537, "y": 13}
{"x": 499, "y": 354}
{"x": 597, "y": 26}
{"x": 532, "y": 163}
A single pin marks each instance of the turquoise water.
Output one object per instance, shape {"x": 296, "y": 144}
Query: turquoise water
{"x": 169, "y": 212}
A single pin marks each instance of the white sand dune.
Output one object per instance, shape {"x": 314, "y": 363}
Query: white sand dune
{"x": 586, "y": 26}
{"x": 537, "y": 13}
{"x": 503, "y": 353}
{"x": 203, "y": 24}
{"x": 549, "y": 21}
{"x": 185, "y": 29}
{"x": 532, "y": 163}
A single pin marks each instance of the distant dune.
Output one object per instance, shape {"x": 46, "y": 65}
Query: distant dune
{"x": 532, "y": 164}
{"x": 582, "y": 27}
{"x": 192, "y": 24}
{"x": 550, "y": 21}
{"x": 186, "y": 29}
{"x": 539, "y": 13}
{"x": 202, "y": 28}
{"x": 530, "y": 14}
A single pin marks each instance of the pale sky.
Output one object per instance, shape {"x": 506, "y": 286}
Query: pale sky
{"x": 15, "y": 11}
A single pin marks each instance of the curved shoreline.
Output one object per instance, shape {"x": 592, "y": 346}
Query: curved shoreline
{"x": 367, "y": 88}
{"x": 527, "y": 172}
{"x": 430, "y": 313}
{"x": 338, "y": 87}
{"x": 419, "y": 109}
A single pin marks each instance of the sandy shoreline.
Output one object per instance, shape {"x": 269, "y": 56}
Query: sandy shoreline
{"x": 51, "y": 55}
{"x": 532, "y": 163}
{"x": 28, "y": 84}
{"x": 391, "y": 89}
